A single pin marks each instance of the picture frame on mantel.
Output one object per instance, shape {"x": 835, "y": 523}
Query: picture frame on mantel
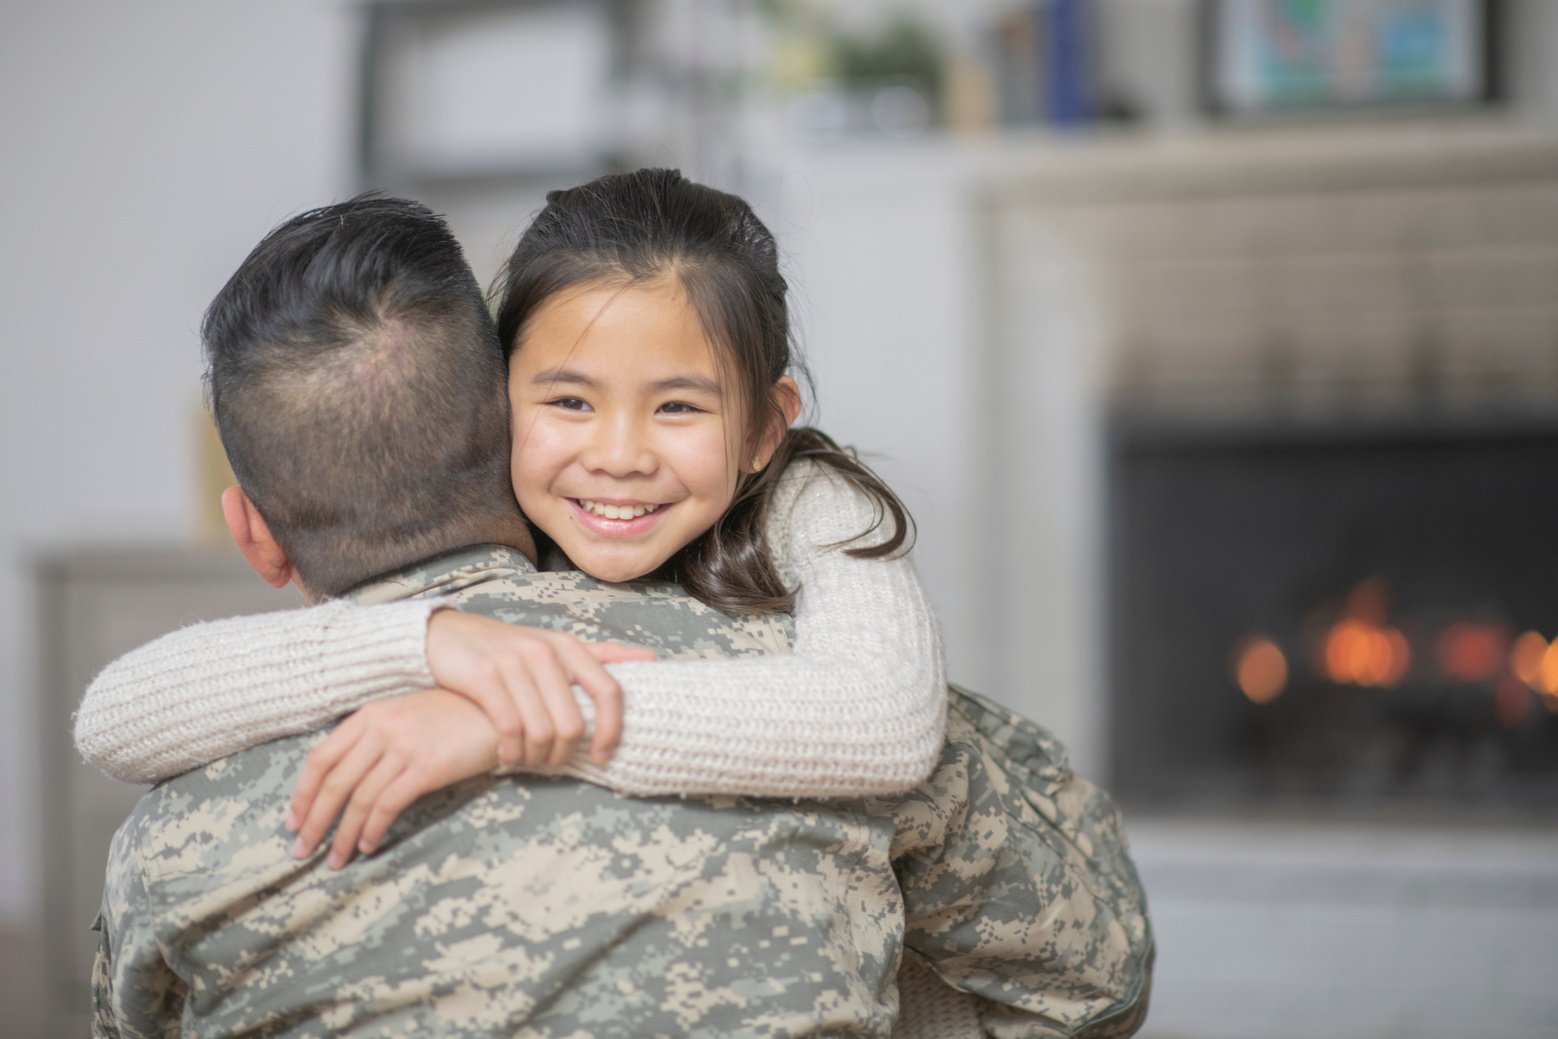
{"x": 1270, "y": 59}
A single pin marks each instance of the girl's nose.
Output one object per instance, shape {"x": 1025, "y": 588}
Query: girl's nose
{"x": 620, "y": 449}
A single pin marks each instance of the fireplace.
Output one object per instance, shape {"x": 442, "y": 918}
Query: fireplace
{"x": 1338, "y": 617}
{"x": 1295, "y": 607}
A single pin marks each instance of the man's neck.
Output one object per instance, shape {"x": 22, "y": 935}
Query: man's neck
{"x": 511, "y": 534}
{"x": 515, "y": 535}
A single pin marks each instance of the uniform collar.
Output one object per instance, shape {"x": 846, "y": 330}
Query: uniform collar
{"x": 445, "y": 574}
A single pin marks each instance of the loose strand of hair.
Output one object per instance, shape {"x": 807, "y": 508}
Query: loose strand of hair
{"x": 814, "y": 445}
{"x": 731, "y": 568}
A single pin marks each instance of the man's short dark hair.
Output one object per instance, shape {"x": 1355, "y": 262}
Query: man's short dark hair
{"x": 359, "y": 388}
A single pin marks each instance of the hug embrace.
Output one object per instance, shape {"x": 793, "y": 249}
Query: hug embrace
{"x": 617, "y": 708}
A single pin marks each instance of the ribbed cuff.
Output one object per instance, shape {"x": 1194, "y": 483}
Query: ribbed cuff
{"x": 380, "y": 647}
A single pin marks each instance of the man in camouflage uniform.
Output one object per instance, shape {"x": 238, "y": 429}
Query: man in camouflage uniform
{"x": 552, "y": 907}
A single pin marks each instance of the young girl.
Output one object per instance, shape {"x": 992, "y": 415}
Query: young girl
{"x": 648, "y": 343}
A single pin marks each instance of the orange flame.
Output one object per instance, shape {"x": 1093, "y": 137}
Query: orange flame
{"x": 1364, "y": 652}
{"x": 1548, "y": 673}
{"x": 1525, "y": 658}
{"x": 1471, "y": 652}
{"x": 1260, "y": 669}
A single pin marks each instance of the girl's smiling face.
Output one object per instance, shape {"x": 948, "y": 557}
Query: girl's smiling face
{"x": 627, "y": 446}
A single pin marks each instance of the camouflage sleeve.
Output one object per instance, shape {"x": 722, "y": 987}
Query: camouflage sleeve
{"x": 103, "y": 1024}
{"x": 1018, "y": 886}
{"x": 135, "y": 995}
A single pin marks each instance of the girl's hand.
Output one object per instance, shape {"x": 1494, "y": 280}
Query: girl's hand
{"x": 520, "y": 678}
{"x": 386, "y": 755}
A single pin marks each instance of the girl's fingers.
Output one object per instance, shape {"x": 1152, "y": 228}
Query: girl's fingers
{"x": 396, "y": 798}
{"x": 337, "y": 785}
{"x": 317, "y": 765}
{"x": 465, "y": 658}
{"x": 532, "y": 712}
{"x": 493, "y": 696}
{"x": 366, "y": 793}
{"x": 552, "y": 682}
{"x": 616, "y": 652}
{"x": 591, "y": 676}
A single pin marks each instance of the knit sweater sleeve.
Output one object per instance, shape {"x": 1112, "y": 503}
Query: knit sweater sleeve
{"x": 858, "y": 707}
{"x": 214, "y": 688}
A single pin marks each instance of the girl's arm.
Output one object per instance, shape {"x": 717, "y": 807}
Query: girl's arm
{"x": 858, "y": 708}
{"x": 212, "y": 689}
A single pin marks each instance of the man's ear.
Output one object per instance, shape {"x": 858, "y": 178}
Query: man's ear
{"x": 786, "y": 397}
{"x": 253, "y": 538}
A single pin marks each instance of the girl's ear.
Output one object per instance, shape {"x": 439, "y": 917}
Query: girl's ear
{"x": 786, "y": 398}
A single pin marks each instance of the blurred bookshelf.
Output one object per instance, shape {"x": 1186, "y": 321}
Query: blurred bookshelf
{"x": 479, "y": 107}
{"x": 431, "y": 71}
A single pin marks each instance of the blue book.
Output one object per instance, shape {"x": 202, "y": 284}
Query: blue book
{"x": 1067, "y": 61}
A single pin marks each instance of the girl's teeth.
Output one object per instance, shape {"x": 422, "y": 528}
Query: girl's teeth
{"x": 616, "y": 512}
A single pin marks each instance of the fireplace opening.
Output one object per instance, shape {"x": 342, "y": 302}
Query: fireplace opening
{"x": 1334, "y": 617}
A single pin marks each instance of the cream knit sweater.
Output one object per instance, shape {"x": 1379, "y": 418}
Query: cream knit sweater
{"x": 857, "y": 708}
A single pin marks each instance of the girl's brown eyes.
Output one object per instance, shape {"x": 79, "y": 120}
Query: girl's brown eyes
{"x": 675, "y": 407}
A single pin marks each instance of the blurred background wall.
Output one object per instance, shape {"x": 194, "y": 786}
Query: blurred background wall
{"x": 893, "y": 147}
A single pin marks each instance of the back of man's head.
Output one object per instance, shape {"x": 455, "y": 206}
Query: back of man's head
{"x": 359, "y": 389}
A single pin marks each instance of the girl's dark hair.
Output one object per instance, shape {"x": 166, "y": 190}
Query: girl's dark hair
{"x": 653, "y": 223}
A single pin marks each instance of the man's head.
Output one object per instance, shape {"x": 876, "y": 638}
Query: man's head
{"x": 359, "y": 388}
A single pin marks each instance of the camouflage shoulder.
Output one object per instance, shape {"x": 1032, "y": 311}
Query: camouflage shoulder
{"x": 1019, "y": 886}
{"x": 657, "y": 614}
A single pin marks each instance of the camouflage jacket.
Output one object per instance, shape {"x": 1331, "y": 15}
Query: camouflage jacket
{"x": 549, "y": 907}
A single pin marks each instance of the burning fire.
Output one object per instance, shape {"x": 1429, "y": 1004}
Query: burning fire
{"x": 1472, "y": 652}
{"x": 1535, "y": 662}
{"x": 1549, "y": 673}
{"x": 1362, "y": 648}
{"x": 1260, "y": 669}
{"x": 1525, "y": 659}
{"x": 1361, "y": 654}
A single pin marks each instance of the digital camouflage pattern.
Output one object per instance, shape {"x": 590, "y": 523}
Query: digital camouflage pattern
{"x": 1018, "y": 886}
{"x": 548, "y": 907}
{"x": 501, "y": 582}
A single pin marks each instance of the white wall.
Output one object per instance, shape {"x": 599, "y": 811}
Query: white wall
{"x": 880, "y": 254}
{"x": 144, "y": 149}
